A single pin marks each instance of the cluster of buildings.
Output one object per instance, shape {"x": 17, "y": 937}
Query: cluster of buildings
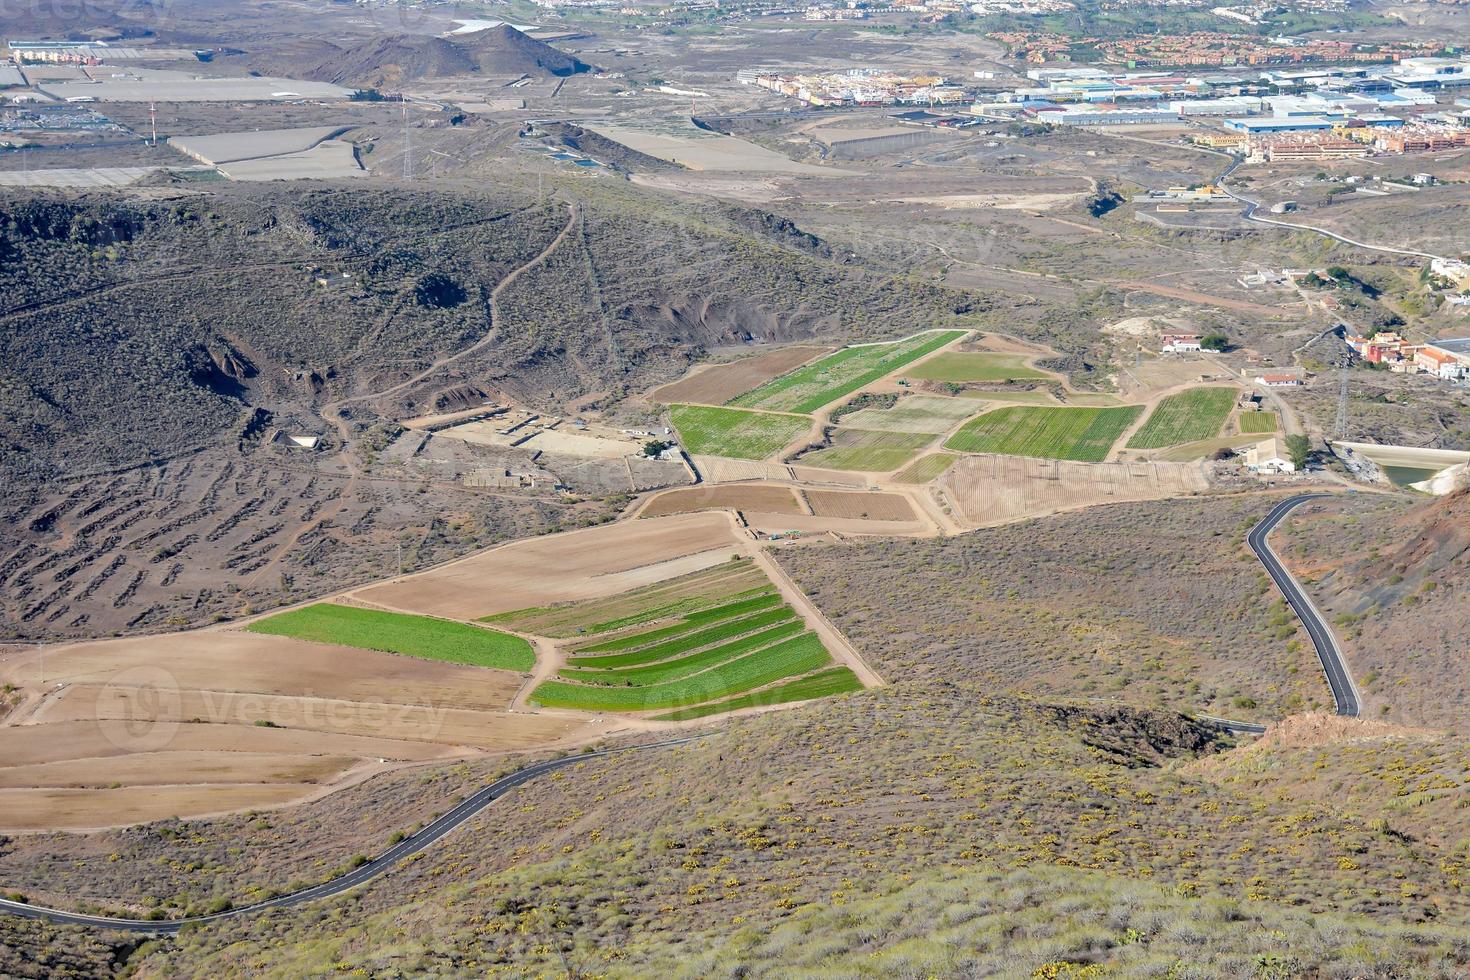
{"x": 858, "y": 87}
{"x": 1336, "y": 112}
{"x": 1211, "y": 49}
{"x": 1448, "y": 360}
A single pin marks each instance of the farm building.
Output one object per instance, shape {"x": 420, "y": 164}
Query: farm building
{"x": 1280, "y": 380}
{"x": 1269, "y": 456}
{"x": 1179, "y": 343}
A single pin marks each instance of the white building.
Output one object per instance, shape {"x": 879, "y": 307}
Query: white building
{"x": 1269, "y": 456}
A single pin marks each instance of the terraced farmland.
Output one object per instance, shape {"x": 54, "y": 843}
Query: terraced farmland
{"x": 1082, "y": 434}
{"x": 734, "y": 433}
{"x": 714, "y": 637}
{"x": 671, "y": 599}
{"x": 414, "y": 636}
{"x": 933, "y": 414}
{"x": 855, "y": 449}
{"x": 841, "y": 373}
{"x": 964, "y": 366}
{"x": 1189, "y": 416}
{"x": 1253, "y": 423}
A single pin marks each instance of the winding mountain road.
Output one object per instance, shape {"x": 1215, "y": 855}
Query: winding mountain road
{"x": 1339, "y": 678}
{"x": 443, "y": 825}
{"x": 1344, "y": 691}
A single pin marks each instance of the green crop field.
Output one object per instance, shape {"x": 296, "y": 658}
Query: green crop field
{"x": 693, "y": 620}
{"x": 1083, "y": 434}
{"x": 1257, "y": 422}
{"x": 414, "y": 636}
{"x": 827, "y": 379}
{"x": 926, "y": 468}
{"x": 962, "y": 366}
{"x": 854, "y": 449}
{"x": 704, "y": 637}
{"x": 1189, "y": 416}
{"x": 734, "y": 433}
{"x": 731, "y": 581}
{"x": 677, "y": 668}
{"x": 824, "y": 683}
{"x": 789, "y": 658}
{"x": 933, "y": 414}
{"x": 688, "y": 641}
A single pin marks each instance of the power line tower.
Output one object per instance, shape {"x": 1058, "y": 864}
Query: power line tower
{"x": 153, "y": 123}
{"x": 407, "y": 143}
{"x": 1342, "y": 399}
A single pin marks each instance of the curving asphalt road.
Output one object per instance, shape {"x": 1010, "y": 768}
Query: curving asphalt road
{"x": 1344, "y": 691}
{"x": 1339, "y": 678}
{"x": 446, "y": 823}
{"x": 1250, "y": 215}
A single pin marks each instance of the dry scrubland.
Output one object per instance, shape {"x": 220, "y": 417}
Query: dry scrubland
{"x": 1033, "y": 837}
{"x": 202, "y": 371}
{"x": 1391, "y": 574}
{"x": 1154, "y": 604}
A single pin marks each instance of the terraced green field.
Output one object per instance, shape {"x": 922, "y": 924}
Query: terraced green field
{"x": 734, "y": 433}
{"x": 798, "y": 655}
{"x": 688, "y": 641}
{"x": 672, "y": 599}
{"x": 761, "y": 601}
{"x": 414, "y": 636}
{"x": 682, "y": 644}
{"x": 681, "y": 667}
{"x": 824, "y": 683}
{"x": 854, "y": 449}
{"x": 840, "y": 373}
{"x": 1189, "y": 416}
{"x": 1082, "y": 434}
{"x": 963, "y": 366}
{"x": 1252, "y": 423}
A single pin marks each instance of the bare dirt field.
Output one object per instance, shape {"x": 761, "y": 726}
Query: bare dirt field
{"x": 230, "y": 660}
{"x": 718, "y": 383}
{"x": 77, "y": 809}
{"x": 489, "y": 730}
{"x": 990, "y": 490}
{"x": 581, "y": 564}
{"x": 152, "y": 769}
{"x": 219, "y": 719}
{"x": 33, "y": 745}
{"x": 864, "y": 506}
{"x": 767, "y": 499}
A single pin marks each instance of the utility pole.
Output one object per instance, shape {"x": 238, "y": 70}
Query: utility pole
{"x": 407, "y": 143}
{"x": 1342, "y": 399}
{"x": 153, "y": 123}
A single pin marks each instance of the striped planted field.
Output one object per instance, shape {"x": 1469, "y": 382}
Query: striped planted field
{"x": 1190, "y": 416}
{"x": 709, "y": 650}
{"x": 841, "y": 373}
{"x": 1082, "y": 434}
{"x": 1257, "y": 423}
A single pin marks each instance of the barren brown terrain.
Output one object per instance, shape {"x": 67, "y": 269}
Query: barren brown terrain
{"x": 576, "y": 565}
{"x": 718, "y": 383}
{"x": 767, "y": 499}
